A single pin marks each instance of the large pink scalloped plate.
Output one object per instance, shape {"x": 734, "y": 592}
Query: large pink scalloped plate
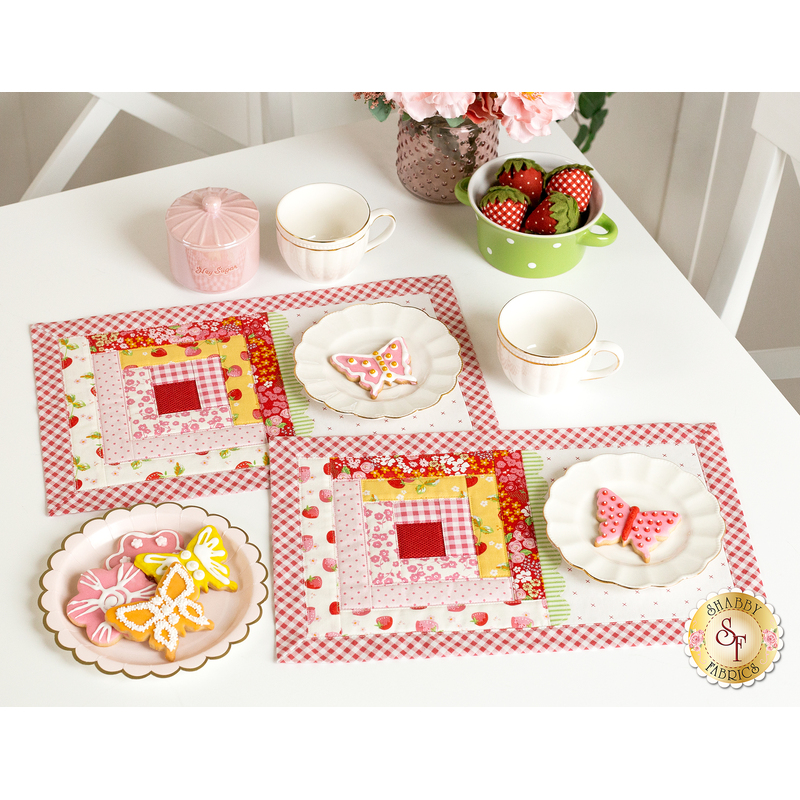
{"x": 232, "y": 612}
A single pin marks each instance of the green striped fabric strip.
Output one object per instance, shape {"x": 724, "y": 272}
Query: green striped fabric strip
{"x": 550, "y": 558}
{"x": 284, "y": 350}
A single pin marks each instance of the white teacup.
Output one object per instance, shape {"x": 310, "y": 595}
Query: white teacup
{"x": 547, "y": 340}
{"x": 323, "y": 230}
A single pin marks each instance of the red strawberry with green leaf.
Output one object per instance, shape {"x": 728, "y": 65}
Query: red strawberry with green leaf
{"x": 334, "y": 608}
{"x": 310, "y": 512}
{"x": 471, "y": 480}
{"x": 574, "y": 180}
{"x": 329, "y": 564}
{"x": 523, "y": 174}
{"x": 305, "y": 474}
{"x": 505, "y": 206}
{"x": 396, "y": 483}
{"x": 314, "y": 582}
{"x": 235, "y": 394}
{"x": 65, "y": 362}
{"x": 325, "y": 495}
{"x": 159, "y": 352}
{"x": 480, "y": 617}
{"x": 557, "y": 213}
{"x": 384, "y": 623}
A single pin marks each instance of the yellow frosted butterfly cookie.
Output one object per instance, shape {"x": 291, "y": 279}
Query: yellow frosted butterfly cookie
{"x": 204, "y": 558}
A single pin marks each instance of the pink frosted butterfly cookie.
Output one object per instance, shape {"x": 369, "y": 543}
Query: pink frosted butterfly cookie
{"x": 384, "y": 367}
{"x": 619, "y": 522}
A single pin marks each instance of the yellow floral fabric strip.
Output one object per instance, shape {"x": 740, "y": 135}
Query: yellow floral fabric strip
{"x": 166, "y": 354}
{"x": 484, "y": 504}
{"x": 239, "y": 382}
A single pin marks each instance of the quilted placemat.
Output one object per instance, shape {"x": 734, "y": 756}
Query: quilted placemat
{"x": 435, "y": 545}
{"x": 180, "y": 402}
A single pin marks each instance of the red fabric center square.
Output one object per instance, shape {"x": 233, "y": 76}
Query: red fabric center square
{"x": 420, "y": 540}
{"x": 172, "y": 398}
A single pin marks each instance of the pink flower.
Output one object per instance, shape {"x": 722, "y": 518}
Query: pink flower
{"x": 482, "y": 108}
{"x": 528, "y": 114}
{"x": 421, "y": 105}
{"x": 696, "y": 640}
{"x": 770, "y": 639}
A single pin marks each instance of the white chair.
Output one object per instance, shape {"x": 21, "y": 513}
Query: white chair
{"x": 777, "y": 125}
{"x": 104, "y": 106}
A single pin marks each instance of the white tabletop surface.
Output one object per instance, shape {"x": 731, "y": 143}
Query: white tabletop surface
{"x": 102, "y": 249}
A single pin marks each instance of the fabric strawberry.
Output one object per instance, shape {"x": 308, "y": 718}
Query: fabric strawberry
{"x": 557, "y": 213}
{"x": 572, "y": 179}
{"x": 505, "y": 206}
{"x": 523, "y": 174}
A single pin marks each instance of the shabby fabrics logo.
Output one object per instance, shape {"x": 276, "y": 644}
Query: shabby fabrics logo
{"x": 733, "y": 639}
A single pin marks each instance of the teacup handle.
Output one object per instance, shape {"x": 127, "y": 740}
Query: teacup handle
{"x": 381, "y": 237}
{"x": 592, "y": 239}
{"x": 605, "y": 347}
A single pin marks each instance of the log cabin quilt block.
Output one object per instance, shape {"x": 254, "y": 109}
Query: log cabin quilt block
{"x": 436, "y": 545}
{"x": 181, "y": 402}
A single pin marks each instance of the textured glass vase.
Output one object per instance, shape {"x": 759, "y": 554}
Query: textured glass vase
{"x": 432, "y": 157}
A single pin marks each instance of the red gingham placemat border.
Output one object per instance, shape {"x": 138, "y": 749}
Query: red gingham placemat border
{"x": 61, "y": 496}
{"x": 288, "y": 592}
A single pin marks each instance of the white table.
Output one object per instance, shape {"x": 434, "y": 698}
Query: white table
{"x": 102, "y": 249}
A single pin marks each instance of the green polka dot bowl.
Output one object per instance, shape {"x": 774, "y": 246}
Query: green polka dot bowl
{"x": 531, "y": 255}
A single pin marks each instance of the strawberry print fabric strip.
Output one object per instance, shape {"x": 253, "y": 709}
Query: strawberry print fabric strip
{"x": 575, "y": 611}
{"x": 91, "y": 460}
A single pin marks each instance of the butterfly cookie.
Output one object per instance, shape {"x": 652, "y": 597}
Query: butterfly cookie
{"x": 384, "y": 367}
{"x": 166, "y": 616}
{"x": 204, "y": 558}
{"x": 619, "y": 522}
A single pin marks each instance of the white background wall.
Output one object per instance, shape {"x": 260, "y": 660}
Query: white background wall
{"x": 656, "y": 150}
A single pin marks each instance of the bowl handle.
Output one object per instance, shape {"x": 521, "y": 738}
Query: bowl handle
{"x": 461, "y": 191}
{"x": 592, "y": 239}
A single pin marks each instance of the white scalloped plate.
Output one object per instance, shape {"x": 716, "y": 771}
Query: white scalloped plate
{"x": 652, "y": 484}
{"x": 362, "y": 328}
{"x": 232, "y": 612}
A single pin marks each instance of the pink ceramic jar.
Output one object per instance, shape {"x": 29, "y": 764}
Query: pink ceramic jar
{"x": 213, "y": 239}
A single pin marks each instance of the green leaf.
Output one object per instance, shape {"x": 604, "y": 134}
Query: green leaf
{"x": 72, "y": 347}
{"x": 82, "y": 467}
{"x": 455, "y": 122}
{"x": 88, "y": 375}
{"x": 589, "y": 103}
{"x": 79, "y": 404}
{"x": 597, "y": 121}
{"x": 70, "y": 398}
{"x": 580, "y": 137}
{"x": 95, "y": 435}
{"x": 509, "y": 537}
{"x": 526, "y": 552}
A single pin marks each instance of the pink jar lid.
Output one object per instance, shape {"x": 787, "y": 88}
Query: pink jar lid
{"x": 212, "y": 218}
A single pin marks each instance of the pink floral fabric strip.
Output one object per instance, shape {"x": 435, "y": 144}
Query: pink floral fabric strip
{"x": 116, "y": 436}
{"x": 352, "y": 556}
{"x": 404, "y": 595}
{"x": 200, "y": 442}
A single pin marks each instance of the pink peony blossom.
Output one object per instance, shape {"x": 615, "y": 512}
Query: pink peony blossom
{"x": 528, "y": 114}
{"x": 421, "y": 105}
